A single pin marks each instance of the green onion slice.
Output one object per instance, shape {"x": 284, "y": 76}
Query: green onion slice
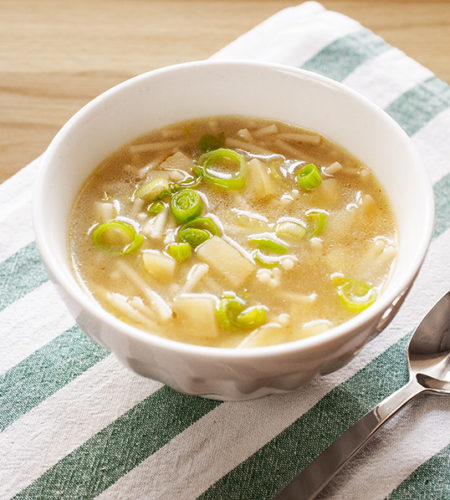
{"x": 265, "y": 243}
{"x": 210, "y": 142}
{"x": 308, "y": 177}
{"x": 155, "y": 208}
{"x": 231, "y": 313}
{"x": 252, "y": 317}
{"x": 194, "y": 236}
{"x": 316, "y": 223}
{"x": 199, "y": 171}
{"x": 290, "y": 231}
{"x": 117, "y": 238}
{"x": 180, "y": 251}
{"x": 223, "y": 157}
{"x": 265, "y": 260}
{"x": 205, "y": 223}
{"x": 156, "y": 189}
{"x": 227, "y": 310}
{"x": 186, "y": 205}
{"x": 355, "y": 295}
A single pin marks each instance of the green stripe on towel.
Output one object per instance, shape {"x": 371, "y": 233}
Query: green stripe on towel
{"x": 430, "y": 480}
{"x": 274, "y": 465}
{"x": 416, "y": 107}
{"x": 341, "y": 57}
{"x": 151, "y": 424}
{"x": 120, "y": 446}
{"x": 21, "y": 273}
{"x": 46, "y": 371}
{"x": 442, "y": 202}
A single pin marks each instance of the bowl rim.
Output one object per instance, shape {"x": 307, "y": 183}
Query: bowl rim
{"x": 83, "y": 300}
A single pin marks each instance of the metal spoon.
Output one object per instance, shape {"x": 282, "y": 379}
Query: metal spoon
{"x": 429, "y": 371}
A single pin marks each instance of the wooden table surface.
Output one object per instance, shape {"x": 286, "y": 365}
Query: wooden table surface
{"x": 57, "y": 55}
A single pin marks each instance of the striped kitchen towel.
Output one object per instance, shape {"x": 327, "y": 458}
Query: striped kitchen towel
{"x": 74, "y": 423}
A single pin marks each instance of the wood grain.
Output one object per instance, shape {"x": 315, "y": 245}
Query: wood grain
{"x": 55, "y": 56}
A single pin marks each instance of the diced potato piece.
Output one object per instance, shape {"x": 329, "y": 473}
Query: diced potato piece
{"x": 158, "y": 265}
{"x": 104, "y": 211}
{"x": 176, "y": 175}
{"x": 154, "y": 228}
{"x": 341, "y": 224}
{"x": 178, "y": 161}
{"x": 259, "y": 182}
{"x": 244, "y": 133}
{"x": 153, "y": 163}
{"x": 272, "y": 333}
{"x": 225, "y": 260}
{"x": 196, "y": 315}
{"x": 330, "y": 192}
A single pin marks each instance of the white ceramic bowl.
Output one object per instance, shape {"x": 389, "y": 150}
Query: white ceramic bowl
{"x": 199, "y": 89}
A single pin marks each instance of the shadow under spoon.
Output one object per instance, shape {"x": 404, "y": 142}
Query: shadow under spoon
{"x": 429, "y": 372}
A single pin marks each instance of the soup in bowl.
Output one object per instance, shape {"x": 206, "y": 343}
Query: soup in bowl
{"x": 232, "y": 229}
{"x": 233, "y": 232}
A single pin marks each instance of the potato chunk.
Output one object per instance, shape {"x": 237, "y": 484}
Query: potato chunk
{"x": 104, "y": 211}
{"x": 155, "y": 227}
{"x": 178, "y": 161}
{"x": 158, "y": 265}
{"x": 259, "y": 182}
{"x": 330, "y": 192}
{"x": 225, "y": 260}
{"x": 272, "y": 333}
{"x": 196, "y": 315}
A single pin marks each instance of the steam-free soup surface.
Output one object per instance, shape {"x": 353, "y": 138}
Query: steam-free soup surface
{"x": 232, "y": 232}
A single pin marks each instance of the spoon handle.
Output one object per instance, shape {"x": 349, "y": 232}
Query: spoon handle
{"x": 319, "y": 473}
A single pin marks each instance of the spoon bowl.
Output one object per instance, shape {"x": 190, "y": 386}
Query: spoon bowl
{"x": 429, "y": 371}
{"x": 429, "y": 349}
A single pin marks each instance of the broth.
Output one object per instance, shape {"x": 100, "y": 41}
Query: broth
{"x": 232, "y": 232}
